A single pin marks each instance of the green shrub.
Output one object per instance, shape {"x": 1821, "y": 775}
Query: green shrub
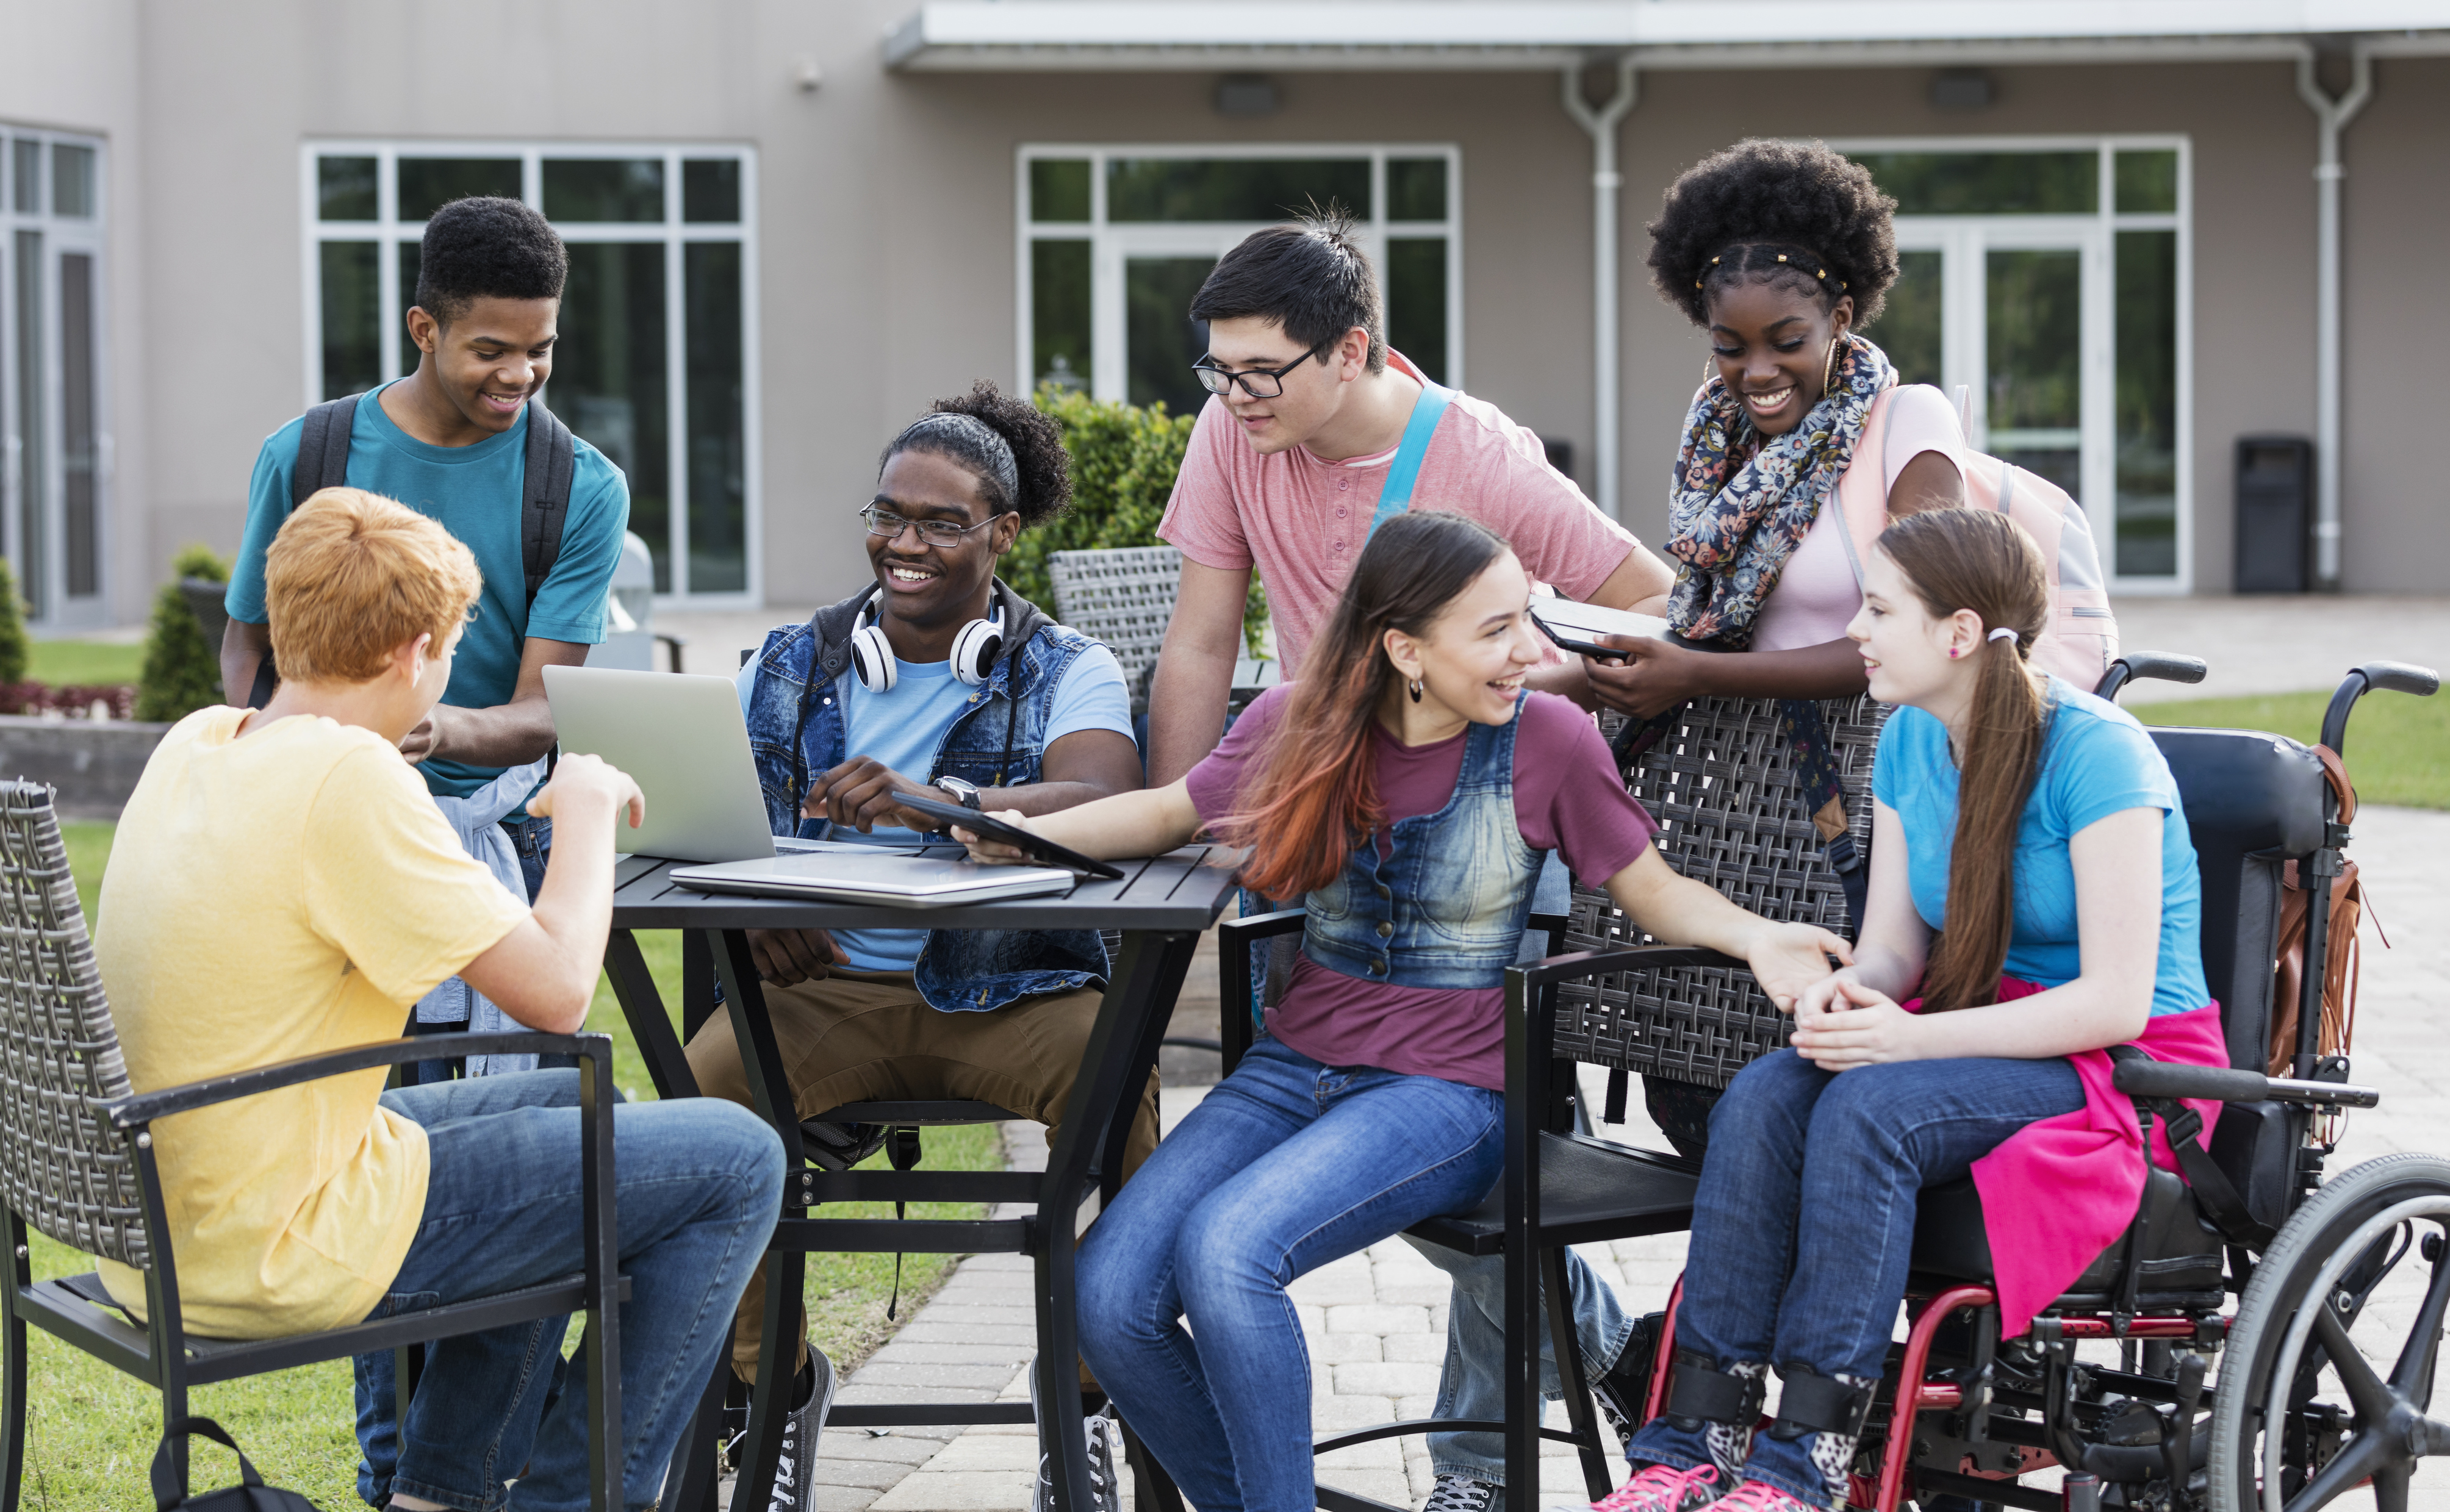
{"x": 13, "y": 649}
{"x": 181, "y": 673}
{"x": 1125, "y": 458}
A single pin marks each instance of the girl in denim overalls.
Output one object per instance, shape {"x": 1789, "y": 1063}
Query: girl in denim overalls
{"x": 1408, "y": 790}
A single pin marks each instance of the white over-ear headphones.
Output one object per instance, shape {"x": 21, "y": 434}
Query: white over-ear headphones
{"x": 975, "y": 650}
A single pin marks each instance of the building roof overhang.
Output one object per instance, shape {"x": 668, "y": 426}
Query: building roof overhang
{"x": 1093, "y": 35}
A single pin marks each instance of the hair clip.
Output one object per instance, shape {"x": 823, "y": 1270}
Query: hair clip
{"x": 1821, "y": 273}
{"x": 1781, "y": 256}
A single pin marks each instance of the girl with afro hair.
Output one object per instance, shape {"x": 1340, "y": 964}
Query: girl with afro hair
{"x": 1778, "y": 251}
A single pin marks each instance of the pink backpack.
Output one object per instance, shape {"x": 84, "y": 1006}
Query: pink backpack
{"x": 2082, "y": 638}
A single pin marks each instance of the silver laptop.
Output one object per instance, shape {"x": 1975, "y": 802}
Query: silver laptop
{"x": 684, "y": 740}
{"x": 869, "y": 874}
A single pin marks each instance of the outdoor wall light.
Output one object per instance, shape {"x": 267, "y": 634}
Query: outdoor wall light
{"x": 1248, "y": 94}
{"x": 1962, "y": 90}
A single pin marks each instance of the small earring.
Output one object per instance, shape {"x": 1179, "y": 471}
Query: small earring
{"x": 1951, "y": 653}
{"x": 1829, "y": 368}
{"x": 1415, "y": 686}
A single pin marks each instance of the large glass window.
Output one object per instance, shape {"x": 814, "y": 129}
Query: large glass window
{"x": 1117, "y": 240}
{"x": 2046, "y": 284}
{"x": 652, "y": 367}
{"x": 54, "y": 433}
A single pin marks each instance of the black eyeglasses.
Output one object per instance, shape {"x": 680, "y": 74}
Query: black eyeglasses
{"x": 883, "y": 521}
{"x": 1216, "y": 379}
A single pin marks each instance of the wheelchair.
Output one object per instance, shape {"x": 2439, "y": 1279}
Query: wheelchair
{"x": 2256, "y": 1263}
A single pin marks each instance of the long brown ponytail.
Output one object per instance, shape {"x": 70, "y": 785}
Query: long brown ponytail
{"x": 1979, "y": 559}
{"x": 1313, "y": 793}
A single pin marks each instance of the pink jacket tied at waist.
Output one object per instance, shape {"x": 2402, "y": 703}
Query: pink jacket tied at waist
{"x": 2060, "y": 1190}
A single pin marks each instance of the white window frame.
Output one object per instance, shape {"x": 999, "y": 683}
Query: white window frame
{"x": 88, "y": 235}
{"x": 1112, "y": 243}
{"x": 388, "y": 232}
{"x": 1963, "y": 361}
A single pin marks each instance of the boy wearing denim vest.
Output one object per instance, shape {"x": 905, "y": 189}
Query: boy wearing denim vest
{"x": 935, "y": 680}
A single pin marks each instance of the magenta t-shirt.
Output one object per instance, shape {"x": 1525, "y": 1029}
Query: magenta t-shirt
{"x": 1568, "y": 797}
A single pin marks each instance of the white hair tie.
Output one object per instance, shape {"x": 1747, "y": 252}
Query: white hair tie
{"x": 2000, "y": 634}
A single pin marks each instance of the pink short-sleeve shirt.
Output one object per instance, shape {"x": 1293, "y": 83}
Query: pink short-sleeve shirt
{"x": 1302, "y": 521}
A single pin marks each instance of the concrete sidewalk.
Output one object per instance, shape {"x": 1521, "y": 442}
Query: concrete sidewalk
{"x": 1376, "y": 1322}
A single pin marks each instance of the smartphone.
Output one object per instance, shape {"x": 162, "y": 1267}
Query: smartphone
{"x": 1577, "y": 627}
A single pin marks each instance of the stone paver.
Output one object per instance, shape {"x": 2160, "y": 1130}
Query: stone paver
{"x": 1375, "y": 1322}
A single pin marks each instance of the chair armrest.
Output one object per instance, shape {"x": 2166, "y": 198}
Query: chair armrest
{"x": 1581, "y": 964}
{"x": 145, "y": 1107}
{"x": 1258, "y": 926}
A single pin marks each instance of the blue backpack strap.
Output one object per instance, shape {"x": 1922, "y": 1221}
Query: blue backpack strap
{"x": 1395, "y": 494}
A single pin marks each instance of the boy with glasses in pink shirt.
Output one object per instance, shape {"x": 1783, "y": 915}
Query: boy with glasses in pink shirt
{"x": 1319, "y": 431}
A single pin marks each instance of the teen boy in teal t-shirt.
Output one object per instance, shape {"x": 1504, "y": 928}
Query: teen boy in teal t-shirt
{"x": 450, "y": 442}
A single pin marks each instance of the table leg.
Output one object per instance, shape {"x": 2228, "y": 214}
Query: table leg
{"x": 786, "y": 1268}
{"x": 1139, "y": 1000}
{"x": 633, "y": 986}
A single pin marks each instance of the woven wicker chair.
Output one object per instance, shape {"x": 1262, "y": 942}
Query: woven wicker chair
{"x": 1123, "y": 598}
{"x": 77, "y": 1163}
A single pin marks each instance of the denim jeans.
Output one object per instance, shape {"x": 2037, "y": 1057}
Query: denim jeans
{"x": 1285, "y": 1166}
{"x": 698, "y": 1184}
{"x": 1473, "y": 1383}
{"x": 1804, "y": 1222}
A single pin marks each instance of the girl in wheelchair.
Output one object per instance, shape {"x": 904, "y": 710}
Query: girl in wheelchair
{"x": 2034, "y": 878}
{"x": 1408, "y": 789}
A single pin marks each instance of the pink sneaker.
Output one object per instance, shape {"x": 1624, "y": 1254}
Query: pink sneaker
{"x": 1760, "y": 1496}
{"x": 1657, "y": 1488}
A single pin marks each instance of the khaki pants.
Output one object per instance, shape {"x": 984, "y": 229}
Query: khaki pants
{"x": 869, "y": 1037}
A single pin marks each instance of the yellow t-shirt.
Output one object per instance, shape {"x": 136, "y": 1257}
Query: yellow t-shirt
{"x": 279, "y": 896}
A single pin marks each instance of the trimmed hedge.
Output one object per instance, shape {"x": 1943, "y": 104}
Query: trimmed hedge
{"x": 181, "y": 673}
{"x": 1125, "y": 458}
{"x": 13, "y": 649}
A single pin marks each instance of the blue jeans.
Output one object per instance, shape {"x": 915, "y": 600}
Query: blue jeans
{"x": 1285, "y": 1166}
{"x": 698, "y": 1184}
{"x": 1804, "y": 1225}
{"x": 1473, "y": 1383}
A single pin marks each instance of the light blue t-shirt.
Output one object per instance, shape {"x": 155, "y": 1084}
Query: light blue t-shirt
{"x": 904, "y": 728}
{"x": 2096, "y": 762}
{"x": 473, "y": 491}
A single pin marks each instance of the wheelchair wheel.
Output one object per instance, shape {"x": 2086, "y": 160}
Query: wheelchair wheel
{"x": 2327, "y": 1375}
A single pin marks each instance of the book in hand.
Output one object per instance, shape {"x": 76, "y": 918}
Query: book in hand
{"x": 878, "y": 877}
{"x": 1577, "y": 627}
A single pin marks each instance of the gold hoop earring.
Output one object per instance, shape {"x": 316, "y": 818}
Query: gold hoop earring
{"x": 1415, "y": 688}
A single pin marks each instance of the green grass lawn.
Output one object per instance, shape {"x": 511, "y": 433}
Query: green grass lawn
{"x": 2398, "y": 748}
{"x": 65, "y": 663}
{"x": 91, "y": 1430}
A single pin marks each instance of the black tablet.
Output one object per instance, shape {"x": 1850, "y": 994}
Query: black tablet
{"x": 1037, "y": 848}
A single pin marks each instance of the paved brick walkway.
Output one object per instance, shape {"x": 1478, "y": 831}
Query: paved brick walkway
{"x": 1376, "y": 1322}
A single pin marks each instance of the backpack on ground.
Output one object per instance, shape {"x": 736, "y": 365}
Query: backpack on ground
{"x": 544, "y": 492}
{"x": 2081, "y": 639}
{"x": 249, "y": 1495}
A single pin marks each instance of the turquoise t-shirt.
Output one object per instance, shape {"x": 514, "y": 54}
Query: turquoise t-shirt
{"x": 474, "y": 493}
{"x": 904, "y": 728}
{"x": 2097, "y": 761}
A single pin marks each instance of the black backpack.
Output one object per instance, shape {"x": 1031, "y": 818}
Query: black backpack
{"x": 544, "y": 504}
{"x": 249, "y": 1495}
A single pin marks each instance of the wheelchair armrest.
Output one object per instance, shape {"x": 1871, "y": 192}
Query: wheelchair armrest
{"x": 2155, "y": 1078}
{"x": 2163, "y": 666}
{"x": 1580, "y": 964}
{"x": 145, "y": 1107}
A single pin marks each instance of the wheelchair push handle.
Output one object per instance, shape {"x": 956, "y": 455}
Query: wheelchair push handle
{"x": 2157, "y": 1078}
{"x": 2394, "y": 677}
{"x": 2165, "y": 666}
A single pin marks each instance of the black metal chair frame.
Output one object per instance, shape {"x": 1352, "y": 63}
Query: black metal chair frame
{"x": 116, "y": 1131}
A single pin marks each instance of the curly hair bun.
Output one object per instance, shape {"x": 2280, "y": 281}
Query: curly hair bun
{"x": 1797, "y": 213}
{"x": 1043, "y": 469}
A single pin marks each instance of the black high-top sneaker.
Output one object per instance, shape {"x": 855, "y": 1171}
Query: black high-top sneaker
{"x": 795, "y": 1485}
{"x": 1104, "y": 1432}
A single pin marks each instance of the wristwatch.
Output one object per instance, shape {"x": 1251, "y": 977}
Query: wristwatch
{"x": 967, "y": 793}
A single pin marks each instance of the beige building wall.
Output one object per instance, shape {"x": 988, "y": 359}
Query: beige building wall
{"x": 887, "y": 209}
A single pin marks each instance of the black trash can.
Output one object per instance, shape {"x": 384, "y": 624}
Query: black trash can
{"x": 2275, "y": 513}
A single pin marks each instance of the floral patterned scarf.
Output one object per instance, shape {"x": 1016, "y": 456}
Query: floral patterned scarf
{"x": 1741, "y": 506}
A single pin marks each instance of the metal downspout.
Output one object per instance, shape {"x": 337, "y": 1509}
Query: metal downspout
{"x": 2333, "y": 116}
{"x": 1606, "y": 180}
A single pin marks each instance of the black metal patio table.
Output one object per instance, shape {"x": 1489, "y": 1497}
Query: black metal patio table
{"x": 1160, "y": 905}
